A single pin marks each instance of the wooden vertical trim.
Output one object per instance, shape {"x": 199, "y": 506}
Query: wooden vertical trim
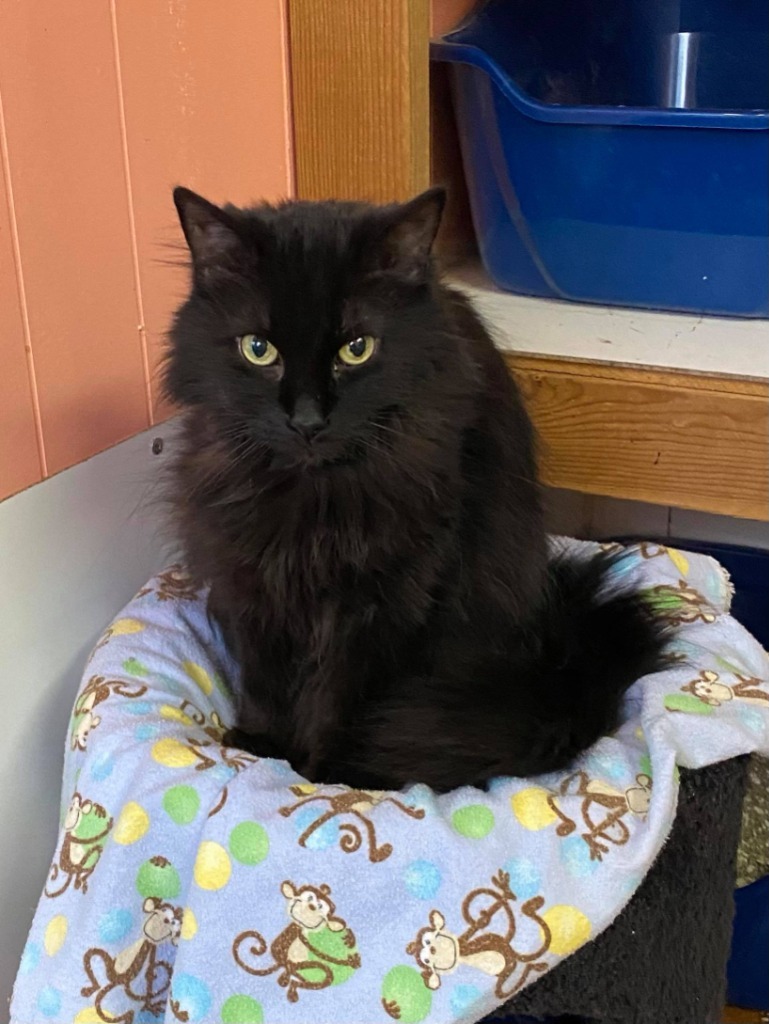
{"x": 419, "y": 77}
{"x": 360, "y": 85}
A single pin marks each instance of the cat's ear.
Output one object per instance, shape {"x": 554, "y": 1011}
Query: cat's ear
{"x": 210, "y": 233}
{"x": 408, "y": 237}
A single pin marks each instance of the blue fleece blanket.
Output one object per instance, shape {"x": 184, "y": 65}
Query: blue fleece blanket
{"x": 195, "y": 883}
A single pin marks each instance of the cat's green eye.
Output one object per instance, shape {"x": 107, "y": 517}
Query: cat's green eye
{"x": 358, "y": 351}
{"x": 257, "y": 350}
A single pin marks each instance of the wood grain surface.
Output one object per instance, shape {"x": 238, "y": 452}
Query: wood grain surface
{"x": 733, "y": 1015}
{"x": 360, "y": 79}
{"x": 688, "y": 440}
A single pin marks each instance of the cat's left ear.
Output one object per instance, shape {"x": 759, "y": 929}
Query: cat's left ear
{"x": 211, "y": 235}
{"x": 408, "y": 238}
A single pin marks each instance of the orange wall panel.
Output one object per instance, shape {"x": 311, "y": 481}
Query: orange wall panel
{"x": 58, "y": 84}
{"x": 107, "y": 104}
{"x": 446, "y": 14}
{"x": 19, "y": 458}
{"x": 206, "y": 105}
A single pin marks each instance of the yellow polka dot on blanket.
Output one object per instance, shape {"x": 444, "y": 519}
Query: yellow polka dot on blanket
{"x": 198, "y": 675}
{"x": 55, "y": 934}
{"x": 172, "y": 753}
{"x": 679, "y": 560}
{"x": 305, "y": 788}
{"x": 212, "y": 866}
{"x": 122, "y": 627}
{"x": 569, "y": 928}
{"x": 89, "y": 1015}
{"x": 175, "y": 714}
{"x": 189, "y": 924}
{"x": 131, "y": 825}
{"x": 532, "y": 809}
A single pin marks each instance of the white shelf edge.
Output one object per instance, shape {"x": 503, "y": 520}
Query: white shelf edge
{"x": 611, "y": 334}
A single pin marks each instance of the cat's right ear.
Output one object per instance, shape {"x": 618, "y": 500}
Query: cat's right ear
{"x": 409, "y": 232}
{"x": 211, "y": 236}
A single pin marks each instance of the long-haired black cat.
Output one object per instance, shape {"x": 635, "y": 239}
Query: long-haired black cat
{"x": 357, "y": 486}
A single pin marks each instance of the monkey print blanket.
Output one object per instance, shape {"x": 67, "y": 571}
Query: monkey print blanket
{"x": 192, "y": 882}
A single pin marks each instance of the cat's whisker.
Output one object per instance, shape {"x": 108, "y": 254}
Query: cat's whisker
{"x": 390, "y": 430}
{"x": 221, "y": 472}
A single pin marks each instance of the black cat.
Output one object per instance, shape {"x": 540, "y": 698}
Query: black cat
{"x": 357, "y": 485}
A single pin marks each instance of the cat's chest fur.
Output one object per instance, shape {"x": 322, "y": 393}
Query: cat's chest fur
{"x": 339, "y": 554}
{"x": 331, "y": 568}
{"x": 334, "y": 589}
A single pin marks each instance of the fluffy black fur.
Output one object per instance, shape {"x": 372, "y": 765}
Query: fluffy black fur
{"x": 373, "y": 536}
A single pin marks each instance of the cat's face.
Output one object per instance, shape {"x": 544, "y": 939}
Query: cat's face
{"x": 311, "y": 329}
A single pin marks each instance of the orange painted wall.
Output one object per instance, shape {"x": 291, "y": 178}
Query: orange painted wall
{"x": 446, "y": 14}
{"x": 104, "y": 106}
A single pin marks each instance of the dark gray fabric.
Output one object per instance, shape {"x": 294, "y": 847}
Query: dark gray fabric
{"x": 663, "y": 960}
{"x": 753, "y": 851}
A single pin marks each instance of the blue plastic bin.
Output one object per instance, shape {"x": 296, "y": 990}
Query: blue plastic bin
{"x": 637, "y": 204}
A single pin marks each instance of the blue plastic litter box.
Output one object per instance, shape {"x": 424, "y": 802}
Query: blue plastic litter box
{"x": 617, "y": 151}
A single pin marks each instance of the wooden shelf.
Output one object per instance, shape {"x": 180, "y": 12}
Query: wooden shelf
{"x": 717, "y": 346}
{"x": 629, "y": 405}
{"x": 734, "y": 1016}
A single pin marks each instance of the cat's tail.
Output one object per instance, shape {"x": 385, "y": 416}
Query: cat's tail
{"x": 555, "y": 689}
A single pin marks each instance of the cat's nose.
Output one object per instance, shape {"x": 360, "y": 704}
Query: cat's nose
{"x": 308, "y": 419}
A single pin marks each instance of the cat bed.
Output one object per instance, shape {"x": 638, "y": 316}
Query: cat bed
{"x": 195, "y": 882}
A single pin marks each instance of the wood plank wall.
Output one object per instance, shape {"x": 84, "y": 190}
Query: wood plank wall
{"x": 104, "y": 106}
